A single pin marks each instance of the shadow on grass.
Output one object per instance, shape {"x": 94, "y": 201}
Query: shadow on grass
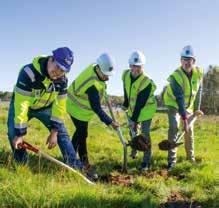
{"x": 130, "y": 202}
{"x": 35, "y": 163}
{"x": 121, "y": 201}
{"x": 181, "y": 204}
{"x": 104, "y": 166}
{"x": 179, "y": 201}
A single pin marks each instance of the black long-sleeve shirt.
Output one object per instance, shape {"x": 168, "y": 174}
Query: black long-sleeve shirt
{"x": 94, "y": 100}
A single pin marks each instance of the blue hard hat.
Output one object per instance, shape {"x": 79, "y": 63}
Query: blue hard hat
{"x": 64, "y": 58}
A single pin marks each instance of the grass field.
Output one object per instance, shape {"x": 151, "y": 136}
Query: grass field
{"x": 43, "y": 184}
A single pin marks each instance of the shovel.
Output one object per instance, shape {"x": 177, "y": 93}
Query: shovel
{"x": 168, "y": 145}
{"x": 28, "y": 146}
{"x": 134, "y": 137}
{"x": 119, "y": 132}
{"x": 131, "y": 130}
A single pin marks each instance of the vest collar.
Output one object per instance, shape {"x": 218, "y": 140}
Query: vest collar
{"x": 133, "y": 79}
{"x": 43, "y": 66}
{"x": 95, "y": 70}
{"x": 40, "y": 64}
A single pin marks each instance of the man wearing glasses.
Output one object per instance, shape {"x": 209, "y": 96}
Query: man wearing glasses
{"x": 182, "y": 96}
{"x": 40, "y": 92}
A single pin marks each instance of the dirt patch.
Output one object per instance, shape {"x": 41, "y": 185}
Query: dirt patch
{"x": 117, "y": 179}
{"x": 154, "y": 174}
{"x": 178, "y": 200}
{"x": 128, "y": 180}
{"x": 163, "y": 173}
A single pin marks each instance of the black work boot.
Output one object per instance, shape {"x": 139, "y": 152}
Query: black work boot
{"x": 133, "y": 153}
{"x": 90, "y": 172}
{"x": 171, "y": 166}
{"x": 89, "y": 169}
{"x": 144, "y": 167}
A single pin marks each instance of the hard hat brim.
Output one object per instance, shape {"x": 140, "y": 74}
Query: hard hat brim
{"x": 187, "y": 57}
{"x": 108, "y": 73}
{"x": 137, "y": 64}
{"x": 65, "y": 69}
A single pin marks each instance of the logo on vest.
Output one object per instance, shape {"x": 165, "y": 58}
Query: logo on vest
{"x": 37, "y": 93}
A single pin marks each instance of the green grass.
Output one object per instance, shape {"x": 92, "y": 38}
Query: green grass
{"x": 43, "y": 184}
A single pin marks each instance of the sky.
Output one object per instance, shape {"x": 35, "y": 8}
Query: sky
{"x": 158, "y": 28}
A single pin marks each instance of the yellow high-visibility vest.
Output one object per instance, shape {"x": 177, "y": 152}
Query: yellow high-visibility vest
{"x": 132, "y": 91}
{"x": 78, "y": 105}
{"x": 189, "y": 86}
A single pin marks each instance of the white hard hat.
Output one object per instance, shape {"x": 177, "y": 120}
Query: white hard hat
{"x": 106, "y": 64}
{"x": 187, "y": 52}
{"x": 137, "y": 58}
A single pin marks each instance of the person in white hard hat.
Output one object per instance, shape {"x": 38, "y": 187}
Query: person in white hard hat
{"x": 182, "y": 96}
{"x": 139, "y": 100}
{"x": 84, "y": 100}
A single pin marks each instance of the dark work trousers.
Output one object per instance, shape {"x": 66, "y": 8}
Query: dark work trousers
{"x": 79, "y": 139}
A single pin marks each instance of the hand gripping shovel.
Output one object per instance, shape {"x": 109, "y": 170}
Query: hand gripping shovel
{"x": 131, "y": 130}
{"x": 28, "y": 146}
{"x": 137, "y": 142}
{"x": 168, "y": 145}
{"x": 119, "y": 132}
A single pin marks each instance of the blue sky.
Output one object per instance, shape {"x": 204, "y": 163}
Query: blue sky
{"x": 159, "y": 28}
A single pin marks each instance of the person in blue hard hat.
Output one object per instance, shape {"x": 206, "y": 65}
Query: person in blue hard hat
{"x": 40, "y": 92}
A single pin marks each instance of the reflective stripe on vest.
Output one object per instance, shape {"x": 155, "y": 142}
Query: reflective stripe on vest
{"x": 23, "y": 92}
{"x": 75, "y": 101}
{"x": 78, "y": 104}
{"x": 84, "y": 83}
{"x": 20, "y": 126}
{"x": 30, "y": 73}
